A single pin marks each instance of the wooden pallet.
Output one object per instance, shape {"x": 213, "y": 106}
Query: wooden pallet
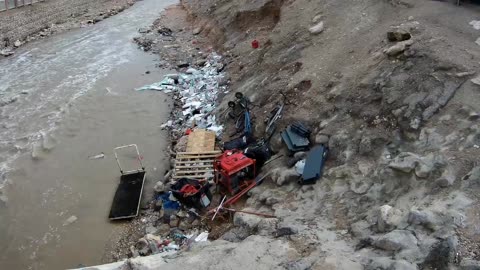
{"x": 194, "y": 165}
{"x": 201, "y": 140}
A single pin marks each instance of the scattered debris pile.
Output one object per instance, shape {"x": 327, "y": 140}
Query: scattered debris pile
{"x": 195, "y": 92}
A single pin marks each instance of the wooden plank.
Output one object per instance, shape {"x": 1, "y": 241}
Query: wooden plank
{"x": 201, "y": 140}
{"x": 189, "y": 176}
{"x": 193, "y": 161}
{"x": 200, "y": 153}
{"x": 194, "y": 166}
{"x": 196, "y": 171}
{"x": 204, "y": 156}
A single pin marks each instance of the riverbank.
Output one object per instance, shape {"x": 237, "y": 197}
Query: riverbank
{"x": 391, "y": 87}
{"x": 77, "y": 102}
{"x": 25, "y": 24}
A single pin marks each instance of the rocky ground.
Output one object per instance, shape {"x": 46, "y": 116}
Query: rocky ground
{"x": 391, "y": 86}
{"x": 21, "y": 25}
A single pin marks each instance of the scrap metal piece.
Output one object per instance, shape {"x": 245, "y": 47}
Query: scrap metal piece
{"x": 314, "y": 165}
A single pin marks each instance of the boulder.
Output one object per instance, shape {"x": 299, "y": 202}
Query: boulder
{"x": 385, "y": 263}
{"x": 6, "y": 52}
{"x": 271, "y": 201}
{"x": 285, "y": 231}
{"x": 267, "y": 226}
{"x": 317, "y": 29}
{"x": 404, "y": 162}
{"x": 473, "y": 176}
{"x": 398, "y": 48}
{"x": 284, "y": 175}
{"x": 360, "y": 229}
{"x": 388, "y": 218}
{"x": 247, "y": 221}
{"x": 236, "y": 234}
{"x": 442, "y": 255}
{"x": 425, "y": 218}
{"x": 322, "y": 139}
{"x": 396, "y": 240}
{"x": 447, "y": 178}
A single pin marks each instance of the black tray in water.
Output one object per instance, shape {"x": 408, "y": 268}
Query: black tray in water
{"x": 126, "y": 202}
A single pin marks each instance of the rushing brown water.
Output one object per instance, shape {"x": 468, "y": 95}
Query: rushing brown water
{"x": 74, "y": 98}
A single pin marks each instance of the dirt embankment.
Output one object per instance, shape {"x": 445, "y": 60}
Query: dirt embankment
{"x": 399, "y": 112}
{"x": 24, "y": 24}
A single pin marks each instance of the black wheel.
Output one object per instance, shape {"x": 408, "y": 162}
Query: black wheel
{"x": 238, "y": 95}
{"x": 231, "y": 104}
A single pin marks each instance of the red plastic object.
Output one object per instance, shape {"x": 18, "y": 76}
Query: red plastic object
{"x": 232, "y": 162}
{"x": 188, "y": 190}
{"x": 230, "y": 171}
{"x": 188, "y": 131}
{"x": 255, "y": 44}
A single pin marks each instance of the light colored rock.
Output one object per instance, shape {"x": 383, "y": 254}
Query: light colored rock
{"x": 17, "y": 43}
{"x": 476, "y": 80}
{"x": 284, "y": 175}
{"x": 6, "y": 52}
{"x": 447, "y": 178}
{"x": 247, "y": 220}
{"x": 317, "y": 18}
{"x": 267, "y": 226}
{"x": 360, "y": 229}
{"x": 197, "y": 31}
{"x": 359, "y": 185}
{"x": 159, "y": 187}
{"x": 425, "y": 218}
{"x": 388, "y": 218}
{"x": 385, "y": 263}
{"x": 423, "y": 166}
{"x": 322, "y": 139}
{"x": 473, "y": 176}
{"x": 398, "y": 48}
{"x": 271, "y": 201}
{"x": 403, "y": 265}
{"x": 317, "y": 29}
{"x": 404, "y": 162}
{"x": 396, "y": 240}
{"x": 70, "y": 220}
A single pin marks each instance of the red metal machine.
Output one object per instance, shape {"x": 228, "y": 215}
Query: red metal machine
{"x": 234, "y": 171}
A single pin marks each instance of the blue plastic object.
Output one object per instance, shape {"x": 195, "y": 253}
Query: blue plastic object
{"x": 314, "y": 165}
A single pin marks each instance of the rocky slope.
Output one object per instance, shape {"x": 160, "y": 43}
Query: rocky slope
{"x": 399, "y": 112}
{"x": 392, "y": 87}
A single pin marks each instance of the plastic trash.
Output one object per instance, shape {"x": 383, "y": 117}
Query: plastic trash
{"x": 197, "y": 89}
{"x": 203, "y": 237}
{"x": 99, "y": 156}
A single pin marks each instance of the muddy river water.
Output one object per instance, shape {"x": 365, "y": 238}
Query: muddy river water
{"x": 62, "y": 100}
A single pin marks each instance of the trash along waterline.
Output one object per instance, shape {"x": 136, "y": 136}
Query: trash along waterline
{"x": 198, "y": 90}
